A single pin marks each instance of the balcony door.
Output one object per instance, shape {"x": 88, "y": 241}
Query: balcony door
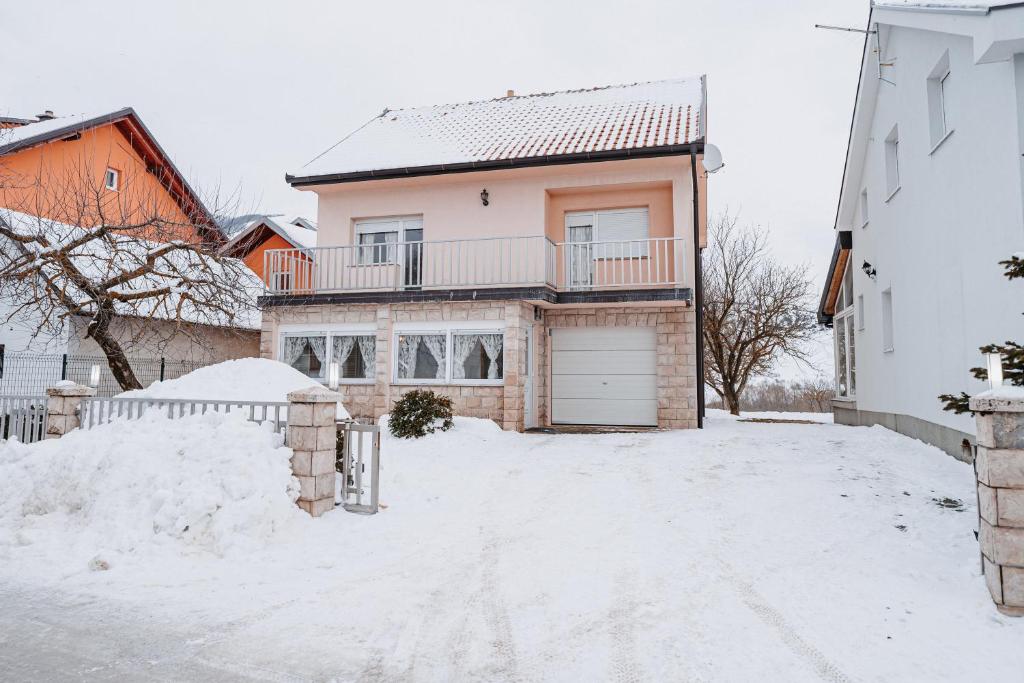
{"x": 394, "y": 243}
{"x": 601, "y": 242}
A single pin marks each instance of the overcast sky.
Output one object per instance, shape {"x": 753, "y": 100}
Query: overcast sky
{"x": 241, "y": 92}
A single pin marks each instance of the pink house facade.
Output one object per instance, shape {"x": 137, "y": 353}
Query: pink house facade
{"x": 532, "y": 257}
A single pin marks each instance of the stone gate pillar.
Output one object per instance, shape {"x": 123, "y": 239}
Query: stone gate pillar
{"x": 312, "y": 436}
{"x": 1000, "y": 468}
{"x": 62, "y": 408}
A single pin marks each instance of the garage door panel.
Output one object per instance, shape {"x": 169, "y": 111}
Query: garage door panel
{"x": 634, "y": 387}
{"x": 639, "y": 413}
{"x": 603, "y": 362}
{"x": 604, "y": 375}
{"x": 603, "y": 339}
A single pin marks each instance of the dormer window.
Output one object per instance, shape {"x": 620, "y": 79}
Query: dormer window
{"x": 111, "y": 179}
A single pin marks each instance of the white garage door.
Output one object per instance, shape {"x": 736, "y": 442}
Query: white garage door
{"x": 604, "y": 376}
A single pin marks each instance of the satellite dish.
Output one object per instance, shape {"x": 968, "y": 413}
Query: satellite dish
{"x": 712, "y": 158}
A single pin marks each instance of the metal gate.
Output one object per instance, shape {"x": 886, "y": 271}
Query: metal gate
{"x": 23, "y": 418}
{"x": 359, "y": 452}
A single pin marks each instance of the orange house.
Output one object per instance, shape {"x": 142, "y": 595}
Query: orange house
{"x": 81, "y": 170}
{"x": 267, "y": 233}
{"x": 72, "y": 169}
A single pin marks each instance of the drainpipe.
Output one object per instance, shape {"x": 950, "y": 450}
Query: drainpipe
{"x": 698, "y": 288}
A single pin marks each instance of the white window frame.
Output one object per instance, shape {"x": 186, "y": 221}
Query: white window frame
{"x": 447, "y": 331}
{"x": 111, "y": 179}
{"x": 864, "y": 213}
{"x": 365, "y": 226}
{"x": 642, "y": 243}
{"x": 892, "y": 162}
{"x": 938, "y": 112}
{"x": 330, "y": 332}
{"x": 888, "y": 323}
{"x": 840, "y": 320}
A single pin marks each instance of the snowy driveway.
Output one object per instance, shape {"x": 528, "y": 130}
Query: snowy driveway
{"x": 743, "y": 552}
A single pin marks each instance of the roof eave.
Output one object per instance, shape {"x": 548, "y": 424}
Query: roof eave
{"x": 695, "y": 147}
{"x": 844, "y": 242}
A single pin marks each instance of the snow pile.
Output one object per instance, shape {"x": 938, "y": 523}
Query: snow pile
{"x": 245, "y": 379}
{"x": 145, "y": 489}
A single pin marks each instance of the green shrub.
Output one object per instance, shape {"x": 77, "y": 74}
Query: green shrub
{"x": 419, "y": 413}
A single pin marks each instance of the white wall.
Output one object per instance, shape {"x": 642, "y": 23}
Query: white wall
{"x": 938, "y": 240}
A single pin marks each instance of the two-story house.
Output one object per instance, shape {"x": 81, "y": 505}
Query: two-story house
{"x": 932, "y": 199}
{"x": 66, "y": 170}
{"x": 532, "y": 257}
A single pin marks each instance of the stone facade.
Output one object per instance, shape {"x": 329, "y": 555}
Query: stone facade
{"x": 1000, "y": 469}
{"x": 313, "y": 437}
{"x": 62, "y": 408}
{"x": 677, "y": 380}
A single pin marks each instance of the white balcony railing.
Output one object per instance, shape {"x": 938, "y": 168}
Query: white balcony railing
{"x": 476, "y": 263}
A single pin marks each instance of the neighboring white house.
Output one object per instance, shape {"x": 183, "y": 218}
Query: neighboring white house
{"x": 932, "y": 199}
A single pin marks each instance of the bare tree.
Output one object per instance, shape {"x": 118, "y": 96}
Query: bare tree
{"x": 72, "y": 249}
{"x": 756, "y": 310}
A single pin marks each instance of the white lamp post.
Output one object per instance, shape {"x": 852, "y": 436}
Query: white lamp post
{"x": 94, "y": 376}
{"x": 333, "y": 375}
{"x": 995, "y": 369}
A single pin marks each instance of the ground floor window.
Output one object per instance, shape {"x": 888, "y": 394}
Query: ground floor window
{"x": 312, "y": 354}
{"x": 843, "y": 324}
{"x": 455, "y": 356}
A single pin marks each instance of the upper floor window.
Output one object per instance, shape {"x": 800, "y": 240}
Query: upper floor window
{"x": 864, "y": 207}
{"x": 938, "y": 102}
{"x": 624, "y": 231}
{"x": 378, "y": 238}
{"x": 111, "y": 179}
{"x": 892, "y": 161}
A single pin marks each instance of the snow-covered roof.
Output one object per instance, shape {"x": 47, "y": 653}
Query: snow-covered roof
{"x": 594, "y": 121}
{"x": 141, "y": 139}
{"x": 298, "y": 231}
{"x": 39, "y": 131}
{"x": 229, "y": 286}
{"x": 962, "y": 6}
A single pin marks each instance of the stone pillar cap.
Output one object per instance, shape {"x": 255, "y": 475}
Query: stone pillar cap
{"x": 66, "y": 387}
{"x": 1005, "y": 399}
{"x": 314, "y": 394}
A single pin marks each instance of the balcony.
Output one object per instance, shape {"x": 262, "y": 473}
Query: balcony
{"x": 477, "y": 264}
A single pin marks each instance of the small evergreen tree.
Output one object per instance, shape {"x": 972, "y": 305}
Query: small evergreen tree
{"x": 1012, "y": 352}
{"x": 420, "y": 412}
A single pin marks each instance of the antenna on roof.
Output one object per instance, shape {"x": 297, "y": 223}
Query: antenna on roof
{"x": 844, "y": 28}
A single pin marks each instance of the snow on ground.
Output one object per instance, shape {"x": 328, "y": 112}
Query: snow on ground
{"x": 245, "y": 379}
{"x": 746, "y": 551}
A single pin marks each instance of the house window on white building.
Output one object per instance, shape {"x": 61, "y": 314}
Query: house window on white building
{"x": 450, "y": 357}
{"x": 938, "y": 112}
{"x": 864, "y": 208}
{"x": 892, "y": 162}
{"x": 843, "y": 324}
{"x": 887, "y": 331}
{"x": 860, "y": 312}
{"x": 312, "y": 353}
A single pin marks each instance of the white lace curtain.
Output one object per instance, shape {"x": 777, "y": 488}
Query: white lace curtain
{"x": 463, "y": 346}
{"x": 318, "y": 345}
{"x": 436, "y": 345}
{"x": 368, "y": 348}
{"x": 492, "y": 344}
{"x": 342, "y": 350}
{"x": 293, "y": 348}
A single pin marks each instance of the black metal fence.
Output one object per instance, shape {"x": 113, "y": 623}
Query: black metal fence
{"x": 23, "y": 373}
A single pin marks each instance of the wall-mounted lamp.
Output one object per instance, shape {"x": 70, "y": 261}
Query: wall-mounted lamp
{"x": 333, "y": 376}
{"x": 94, "y": 376}
{"x": 485, "y": 197}
{"x": 869, "y": 270}
{"x": 995, "y": 369}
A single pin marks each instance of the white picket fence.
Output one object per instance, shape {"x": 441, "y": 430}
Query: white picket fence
{"x": 101, "y": 410}
{"x": 23, "y": 418}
